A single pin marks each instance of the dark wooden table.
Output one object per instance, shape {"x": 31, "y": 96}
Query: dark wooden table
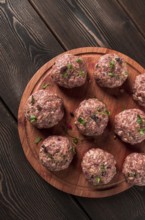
{"x": 31, "y": 33}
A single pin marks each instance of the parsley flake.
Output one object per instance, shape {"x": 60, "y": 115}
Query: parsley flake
{"x": 33, "y": 118}
{"x": 98, "y": 179}
{"x": 75, "y": 140}
{"x": 112, "y": 65}
{"x": 111, "y": 74}
{"x": 139, "y": 119}
{"x": 70, "y": 66}
{"x": 142, "y": 131}
{"x": 79, "y": 60}
{"x": 37, "y": 140}
{"x": 81, "y": 121}
{"x": 45, "y": 85}
{"x": 65, "y": 75}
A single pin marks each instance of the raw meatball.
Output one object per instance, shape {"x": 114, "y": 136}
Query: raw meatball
{"x": 110, "y": 71}
{"x": 69, "y": 71}
{"x": 139, "y": 89}
{"x": 56, "y": 153}
{"x": 91, "y": 117}
{"x": 130, "y": 126}
{"x": 98, "y": 166}
{"x": 44, "y": 110}
{"x": 134, "y": 168}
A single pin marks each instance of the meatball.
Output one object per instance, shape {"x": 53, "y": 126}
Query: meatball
{"x": 44, "y": 110}
{"x": 56, "y": 153}
{"x": 69, "y": 71}
{"x": 110, "y": 71}
{"x": 91, "y": 117}
{"x": 139, "y": 89}
{"x": 134, "y": 169}
{"x": 130, "y": 126}
{"x": 98, "y": 166}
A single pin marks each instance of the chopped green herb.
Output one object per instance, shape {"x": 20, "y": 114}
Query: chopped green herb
{"x": 126, "y": 73}
{"x": 37, "y": 140}
{"x": 107, "y": 112}
{"x": 111, "y": 74}
{"x": 33, "y": 118}
{"x": 81, "y": 121}
{"x": 112, "y": 65}
{"x": 65, "y": 75}
{"x": 70, "y": 66}
{"x": 82, "y": 73}
{"x": 45, "y": 85}
{"x": 98, "y": 179}
{"x": 75, "y": 140}
{"x": 139, "y": 119}
{"x": 79, "y": 60}
{"x": 32, "y": 100}
{"x": 142, "y": 131}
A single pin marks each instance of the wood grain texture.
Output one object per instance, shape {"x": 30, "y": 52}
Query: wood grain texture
{"x": 26, "y": 44}
{"x": 72, "y": 180}
{"x": 124, "y": 206}
{"x": 69, "y": 23}
{"x": 112, "y": 23}
{"x": 23, "y": 194}
{"x": 135, "y": 9}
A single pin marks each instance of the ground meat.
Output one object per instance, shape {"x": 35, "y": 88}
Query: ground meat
{"x": 56, "y": 153}
{"x": 130, "y": 126}
{"x": 69, "y": 71}
{"x": 44, "y": 110}
{"x": 110, "y": 71}
{"x": 98, "y": 166}
{"x": 134, "y": 169}
{"x": 139, "y": 89}
{"x": 91, "y": 117}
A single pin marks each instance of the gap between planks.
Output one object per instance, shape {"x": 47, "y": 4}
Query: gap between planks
{"x": 49, "y": 28}
{"x": 131, "y": 19}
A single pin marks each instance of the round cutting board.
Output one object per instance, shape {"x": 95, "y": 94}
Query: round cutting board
{"x": 72, "y": 180}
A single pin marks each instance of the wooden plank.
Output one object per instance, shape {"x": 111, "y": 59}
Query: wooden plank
{"x": 23, "y": 194}
{"x": 108, "y": 21}
{"x": 26, "y": 44}
{"x": 69, "y": 23}
{"x": 127, "y": 205}
{"x": 136, "y": 10}
{"x": 117, "y": 27}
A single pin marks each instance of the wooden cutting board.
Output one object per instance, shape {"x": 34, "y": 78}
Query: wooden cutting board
{"x": 72, "y": 180}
